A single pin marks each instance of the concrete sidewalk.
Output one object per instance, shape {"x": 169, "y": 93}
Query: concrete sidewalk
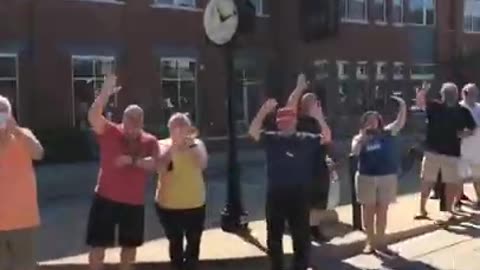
{"x": 226, "y": 251}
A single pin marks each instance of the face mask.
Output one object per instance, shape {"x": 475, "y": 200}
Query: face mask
{"x": 3, "y": 120}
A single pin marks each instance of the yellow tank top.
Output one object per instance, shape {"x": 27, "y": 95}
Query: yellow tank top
{"x": 183, "y": 187}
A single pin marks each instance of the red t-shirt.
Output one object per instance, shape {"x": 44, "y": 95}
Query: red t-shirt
{"x": 123, "y": 184}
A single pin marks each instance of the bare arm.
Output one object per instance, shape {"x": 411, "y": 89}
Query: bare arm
{"x": 95, "y": 113}
{"x": 357, "y": 143}
{"x": 256, "y": 126}
{"x": 34, "y": 146}
{"x": 297, "y": 93}
{"x": 399, "y": 123}
{"x": 200, "y": 154}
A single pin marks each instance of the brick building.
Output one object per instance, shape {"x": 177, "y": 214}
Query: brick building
{"x": 53, "y": 54}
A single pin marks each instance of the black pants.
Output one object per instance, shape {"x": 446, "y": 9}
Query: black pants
{"x": 288, "y": 205}
{"x": 105, "y": 215}
{"x": 178, "y": 225}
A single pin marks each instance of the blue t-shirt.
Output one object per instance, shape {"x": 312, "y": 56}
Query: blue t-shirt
{"x": 289, "y": 157}
{"x": 379, "y": 156}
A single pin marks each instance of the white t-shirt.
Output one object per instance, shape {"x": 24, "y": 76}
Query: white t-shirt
{"x": 471, "y": 145}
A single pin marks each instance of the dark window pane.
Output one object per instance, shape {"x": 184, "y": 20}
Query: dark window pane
{"x": 357, "y": 9}
{"x": 186, "y": 69}
{"x": 164, "y": 2}
{"x": 169, "y": 69}
{"x": 8, "y": 89}
{"x": 83, "y": 68}
{"x": 378, "y": 10}
{"x": 170, "y": 95}
{"x": 104, "y": 67}
{"x": 188, "y": 102}
{"x": 397, "y": 15}
{"x": 8, "y": 67}
{"x": 415, "y": 12}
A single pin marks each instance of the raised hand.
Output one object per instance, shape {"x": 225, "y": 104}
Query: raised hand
{"x": 317, "y": 110}
{"x": 123, "y": 161}
{"x": 398, "y": 99}
{"x": 302, "y": 82}
{"x": 110, "y": 85}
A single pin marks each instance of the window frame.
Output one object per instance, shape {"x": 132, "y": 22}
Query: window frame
{"x": 419, "y": 76}
{"x": 402, "y": 13}
{"x": 342, "y": 74}
{"x": 179, "y": 81}
{"x": 385, "y": 19}
{"x": 176, "y": 5}
{"x": 114, "y": 2}
{"x": 395, "y": 75}
{"x": 379, "y": 76}
{"x": 346, "y": 19}
{"x": 424, "y": 23}
{"x": 471, "y": 30}
{"x": 93, "y": 58}
{"x": 323, "y": 65}
{"x": 17, "y": 82}
{"x": 359, "y": 75}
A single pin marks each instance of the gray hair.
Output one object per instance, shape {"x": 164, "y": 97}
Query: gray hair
{"x": 179, "y": 116}
{"x": 468, "y": 87}
{"x": 449, "y": 87}
{"x": 5, "y": 102}
{"x": 134, "y": 108}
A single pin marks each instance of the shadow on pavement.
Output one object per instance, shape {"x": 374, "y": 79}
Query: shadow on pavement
{"x": 400, "y": 263}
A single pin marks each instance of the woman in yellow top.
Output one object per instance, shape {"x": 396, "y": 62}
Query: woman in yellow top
{"x": 180, "y": 196}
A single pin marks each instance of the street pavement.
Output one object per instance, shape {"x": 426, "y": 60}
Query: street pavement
{"x": 454, "y": 248}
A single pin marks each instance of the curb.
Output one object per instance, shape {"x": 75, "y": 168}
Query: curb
{"x": 261, "y": 262}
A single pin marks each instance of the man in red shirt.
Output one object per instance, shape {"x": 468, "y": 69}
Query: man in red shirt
{"x": 122, "y": 178}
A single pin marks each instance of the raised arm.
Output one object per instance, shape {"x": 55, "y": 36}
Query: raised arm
{"x": 200, "y": 154}
{"x": 358, "y": 142}
{"x": 95, "y": 113}
{"x": 317, "y": 113}
{"x": 421, "y": 97}
{"x": 256, "y": 126}
{"x": 297, "y": 93}
{"x": 399, "y": 123}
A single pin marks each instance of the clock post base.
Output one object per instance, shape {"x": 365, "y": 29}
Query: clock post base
{"x": 233, "y": 222}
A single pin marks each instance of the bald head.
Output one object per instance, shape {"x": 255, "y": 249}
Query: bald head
{"x": 470, "y": 93}
{"x": 133, "y": 120}
{"x": 5, "y": 106}
{"x": 307, "y": 102}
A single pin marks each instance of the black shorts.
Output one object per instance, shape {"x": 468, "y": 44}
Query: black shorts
{"x": 106, "y": 215}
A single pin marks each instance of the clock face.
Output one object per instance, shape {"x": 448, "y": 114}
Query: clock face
{"x": 220, "y": 21}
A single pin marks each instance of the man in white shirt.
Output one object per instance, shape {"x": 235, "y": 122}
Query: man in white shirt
{"x": 470, "y": 165}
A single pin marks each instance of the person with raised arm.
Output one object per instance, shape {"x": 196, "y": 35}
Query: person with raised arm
{"x": 125, "y": 149}
{"x": 376, "y": 178}
{"x": 19, "y": 213}
{"x": 305, "y": 102}
{"x": 289, "y": 156}
{"x": 448, "y": 123}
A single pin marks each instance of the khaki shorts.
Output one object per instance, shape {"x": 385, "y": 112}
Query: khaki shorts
{"x": 434, "y": 163}
{"x": 376, "y": 189}
{"x": 17, "y": 249}
{"x": 469, "y": 172}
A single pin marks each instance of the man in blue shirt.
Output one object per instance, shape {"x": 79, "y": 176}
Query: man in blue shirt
{"x": 289, "y": 156}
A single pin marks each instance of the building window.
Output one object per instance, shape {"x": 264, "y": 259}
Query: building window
{"x": 421, "y": 12}
{"x": 179, "y": 85}
{"x": 88, "y": 73}
{"x": 471, "y": 16}
{"x": 321, "y": 69}
{"x": 261, "y": 7}
{"x": 398, "y": 71}
{"x": 342, "y": 70}
{"x": 354, "y": 10}
{"x": 379, "y": 13}
{"x": 362, "y": 70}
{"x": 9, "y": 80}
{"x": 381, "y": 71}
{"x": 397, "y": 12}
{"x": 175, "y": 3}
{"x": 422, "y": 72}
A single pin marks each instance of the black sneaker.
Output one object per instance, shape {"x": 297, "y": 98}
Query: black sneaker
{"x": 317, "y": 235}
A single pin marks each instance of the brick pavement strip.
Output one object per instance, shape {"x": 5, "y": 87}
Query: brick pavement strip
{"x": 226, "y": 251}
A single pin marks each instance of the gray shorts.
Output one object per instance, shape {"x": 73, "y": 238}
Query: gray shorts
{"x": 17, "y": 249}
{"x": 376, "y": 189}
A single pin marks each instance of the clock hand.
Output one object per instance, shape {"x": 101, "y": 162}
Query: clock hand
{"x": 224, "y": 18}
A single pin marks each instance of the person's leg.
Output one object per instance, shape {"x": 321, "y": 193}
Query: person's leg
{"x": 387, "y": 194}
{"x": 130, "y": 233}
{"x": 4, "y": 251}
{"x": 314, "y": 225}
{"x": 366, "y": 188}
{"x": 453, "y": 184}
{"x": 429, "y": 174}
{"x": 194, "y": 230}
{"x": 173, "y": 227}
{"x": 100, "y": 231}
{"x": 298, "y": 217}
{"x": 275, "y": 228}
{"x": 22, "y": 249}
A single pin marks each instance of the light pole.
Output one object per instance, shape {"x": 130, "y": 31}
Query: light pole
{"x": 223, "y": 21}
